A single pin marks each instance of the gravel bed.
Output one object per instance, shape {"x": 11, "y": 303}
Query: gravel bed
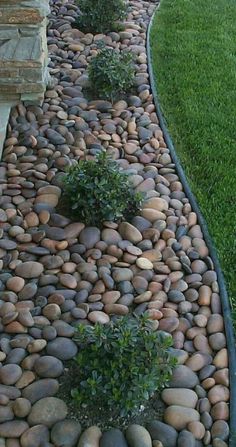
{"x": 56, "y": 273}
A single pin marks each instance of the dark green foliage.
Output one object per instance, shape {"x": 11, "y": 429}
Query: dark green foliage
{"x": 122, "y": 364}
{"x": 97, "y": 191}
{"x": 111, "y": 73}
{"x": 100, "y": 16}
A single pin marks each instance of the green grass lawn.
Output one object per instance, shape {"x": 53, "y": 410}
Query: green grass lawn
{"x": 193, "y": 45}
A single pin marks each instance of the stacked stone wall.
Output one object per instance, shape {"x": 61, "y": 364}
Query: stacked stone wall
{"x": 23, "y": 49}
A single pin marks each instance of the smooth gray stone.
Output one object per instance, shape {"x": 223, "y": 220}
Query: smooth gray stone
{"x": 163, "y": 432}
{"x": 113, "y": 438}
{"x": 186, "y": 439}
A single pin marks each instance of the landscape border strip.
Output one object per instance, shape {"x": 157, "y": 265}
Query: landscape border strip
{"x": 229, "y": 330}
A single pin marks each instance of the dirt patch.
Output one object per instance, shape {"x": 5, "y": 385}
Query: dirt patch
{"x": 99, "y": 414}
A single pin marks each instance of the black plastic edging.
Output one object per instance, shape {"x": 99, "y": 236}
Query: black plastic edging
{"x": 229, "y": 330}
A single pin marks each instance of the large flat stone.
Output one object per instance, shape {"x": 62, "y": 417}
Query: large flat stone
{"x": 23, "y": 51}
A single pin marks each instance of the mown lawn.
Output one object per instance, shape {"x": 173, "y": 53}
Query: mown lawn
{"x": 193, "y": 45}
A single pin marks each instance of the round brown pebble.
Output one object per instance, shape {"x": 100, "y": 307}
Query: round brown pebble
{"x": 197, "y": 429}
{"x": 220, "y": 411}
{"x": 15, "y": 284}
{"x": 21, "y": 407}
{"x": 220, "y": 429}
{"x": 179, "y": 417}
{"x": 52, "y": 311}
{"x": 97, "y": 316}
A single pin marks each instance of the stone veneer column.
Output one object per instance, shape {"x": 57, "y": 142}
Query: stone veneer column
{"x": 23, "y": 54}
{"x": 23, "y": 48}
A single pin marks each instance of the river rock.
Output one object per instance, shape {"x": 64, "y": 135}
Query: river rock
{"x": 73, "y": 230}
{"x": 197, "y": 429}
{"x": 113, "y": 438}
{"x": 183, "y": 377}
{"x": 47, "y": 411}
{"x": 215, "y": 324}
{"x": 186, "y": 439}
{"x": 129, "y": 232}
{"x": 179, "y": 396}
{"x": 48, "y": 366}
{"x": 156, "y": 203}
{"x": 110, "y": 236}
{"x": 29, "y": 269}
{"x": 10, "y": 391}
{"x": 90, "y": 437}
{"x": 163, "y": 432}
{"x": 6, "y": 413}
{"x": 221, "y": 359}
{"x": 9, "y": 374}
{"x": 169, "y": 324}
{"x": 63, "y": 348}
{"x": 179, "y": 417}
{"x": 89, "y": 236}
{"x": 144, "y": 264}
{"x": 66, "y": 433}
{"x": 40, "y": 389}
{"x": 138, "y": 436}
{"x": 55, "y": 137}
{"x": 122, "y": 274}
{"x": 220, "y": 429}
{"x": 35, "y": 436}
{"x": 218, "y": 393}
{"x": 13, "y": 429}
{"x": 98, "y": 316}
{"x": 220, "y": 411}
{"x": 217, "y": 442}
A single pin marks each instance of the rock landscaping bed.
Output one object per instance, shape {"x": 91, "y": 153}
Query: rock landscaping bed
{"x": 56, "y": 272}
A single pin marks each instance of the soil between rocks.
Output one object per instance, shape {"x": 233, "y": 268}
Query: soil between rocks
{"x": 99, "y": 415}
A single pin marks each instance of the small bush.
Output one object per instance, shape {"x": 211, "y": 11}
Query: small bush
{"x": 97, "y": 190}
{"x": 122, "y": 364}
{"x": 111, "y": 73}
{"x": 100, "y": 16}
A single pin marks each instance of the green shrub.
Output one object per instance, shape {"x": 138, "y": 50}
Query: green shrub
{"x": 111, "y": 73}
{"x": 122, "y": 364}
{"x": 96, "y": 190}
{"x": 100, "y": 16}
